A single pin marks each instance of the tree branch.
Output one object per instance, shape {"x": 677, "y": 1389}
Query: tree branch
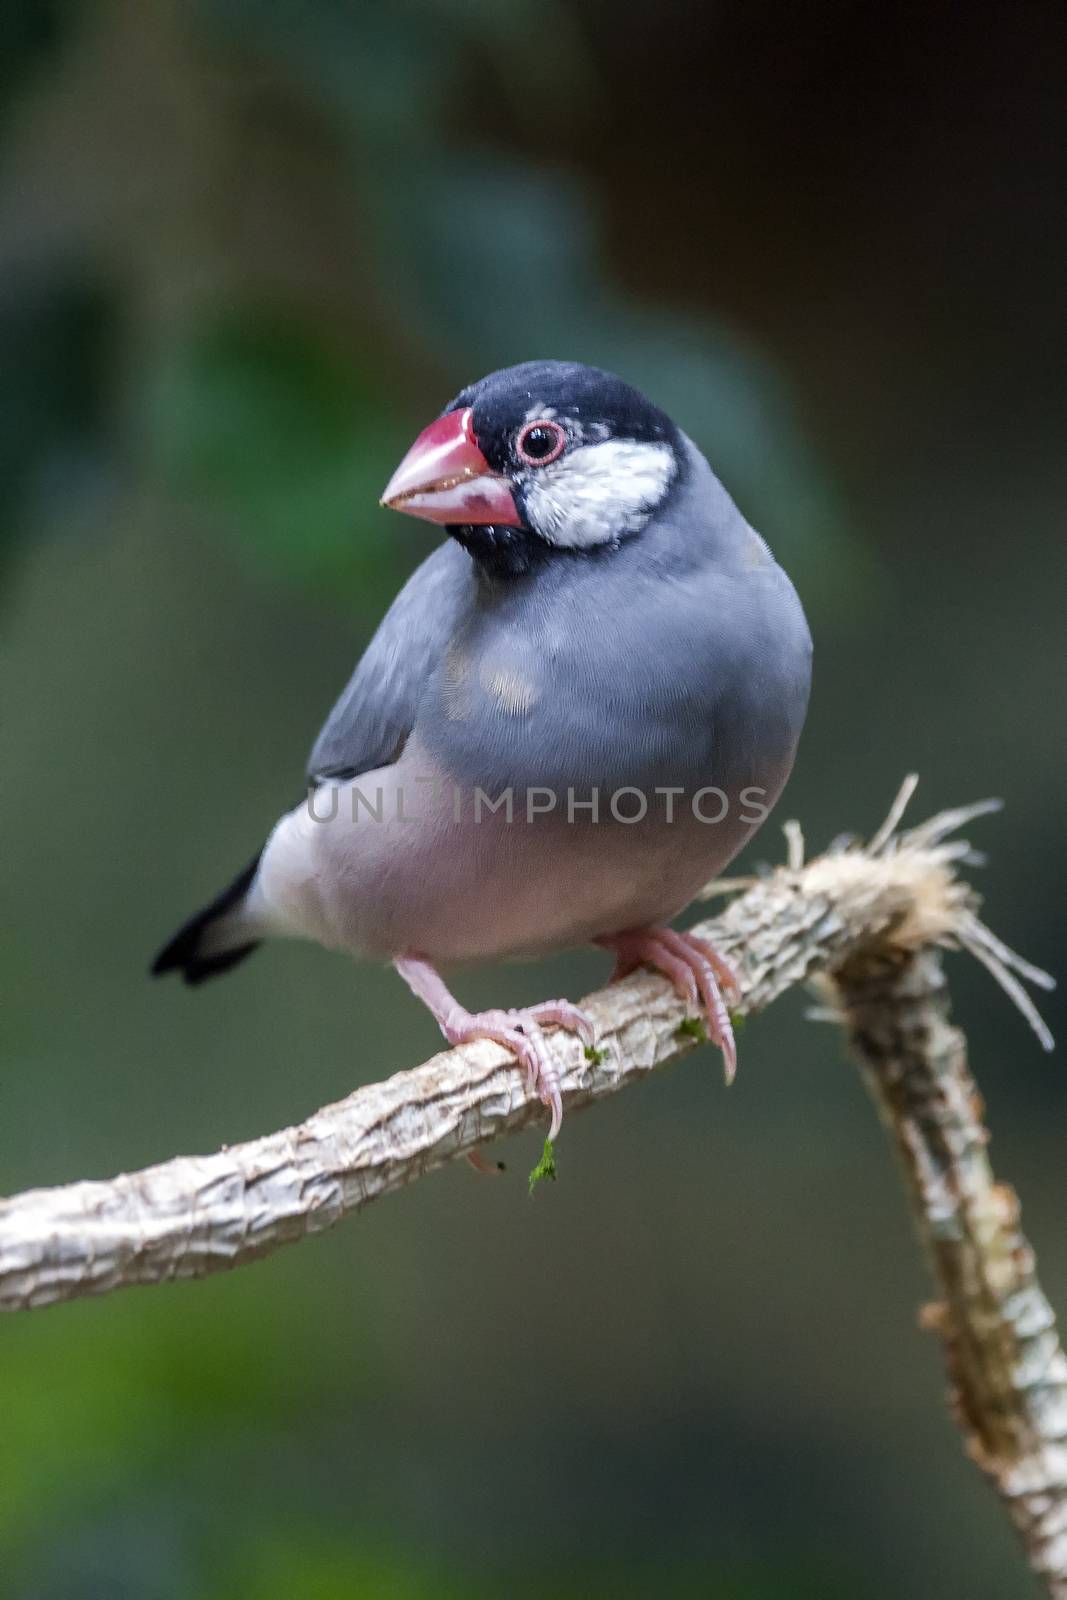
{"x": 1007, "y": 1372}
{"x": 862, "y": 921}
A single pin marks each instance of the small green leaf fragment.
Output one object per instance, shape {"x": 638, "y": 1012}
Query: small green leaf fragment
{"x": 545, "y": 1168}
{"x": 692, "y": 1028}
{"x": 595, "y": 1056}
{"x": 737, "y": 1020}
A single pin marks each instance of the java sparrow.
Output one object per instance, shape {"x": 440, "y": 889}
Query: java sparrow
{"x": 573, "y": 715}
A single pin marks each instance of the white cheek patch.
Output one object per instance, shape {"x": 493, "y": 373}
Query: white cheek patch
{"x": 597, "y": 493}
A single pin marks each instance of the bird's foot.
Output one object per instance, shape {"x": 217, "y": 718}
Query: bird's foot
{"x": 697, "y": 970}
{"x": 521, "y": 1030}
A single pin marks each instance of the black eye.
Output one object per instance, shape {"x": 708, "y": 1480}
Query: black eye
{"x": 538, "y": 443}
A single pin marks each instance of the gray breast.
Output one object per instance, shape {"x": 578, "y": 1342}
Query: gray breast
{"x": 679, "y": 658}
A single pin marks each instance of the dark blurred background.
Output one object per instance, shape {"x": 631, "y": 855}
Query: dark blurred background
{"x": 247, "y": 249}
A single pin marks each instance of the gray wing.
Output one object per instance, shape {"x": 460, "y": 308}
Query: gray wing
{"x": 371, "y": 722}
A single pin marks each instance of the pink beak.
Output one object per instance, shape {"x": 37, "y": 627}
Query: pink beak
{"x": 445, "y": 478}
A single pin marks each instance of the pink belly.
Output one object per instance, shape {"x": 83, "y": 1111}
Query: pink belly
{"x": 384, "y": 872}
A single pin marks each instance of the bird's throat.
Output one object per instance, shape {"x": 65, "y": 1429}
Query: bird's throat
{"x": 501, "y": 552}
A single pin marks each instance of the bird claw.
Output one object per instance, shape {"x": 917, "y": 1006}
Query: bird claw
{"x": 697, "y": 970}
{"x": 562, "y": 1014}
{"x": 520, "y": 1031}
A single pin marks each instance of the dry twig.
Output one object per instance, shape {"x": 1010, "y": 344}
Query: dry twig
{"x": 863, "y": 922}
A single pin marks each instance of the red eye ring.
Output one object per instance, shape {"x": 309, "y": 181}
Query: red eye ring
{"x": 534, "y": 434}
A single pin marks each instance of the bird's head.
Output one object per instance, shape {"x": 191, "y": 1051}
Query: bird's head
{"x": 538, "y": 460}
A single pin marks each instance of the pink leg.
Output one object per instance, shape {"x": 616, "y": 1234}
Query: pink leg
{"x": 520, "y": 1030}
{"x": 694, "y": 966}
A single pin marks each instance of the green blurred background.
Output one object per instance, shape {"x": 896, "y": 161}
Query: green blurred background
{"x": 247, "y": 249}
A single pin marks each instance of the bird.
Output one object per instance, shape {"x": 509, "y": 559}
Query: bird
{"x": 575, "y": 712}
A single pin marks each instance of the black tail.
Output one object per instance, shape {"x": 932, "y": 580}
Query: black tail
{"x": 186, "y": 953}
